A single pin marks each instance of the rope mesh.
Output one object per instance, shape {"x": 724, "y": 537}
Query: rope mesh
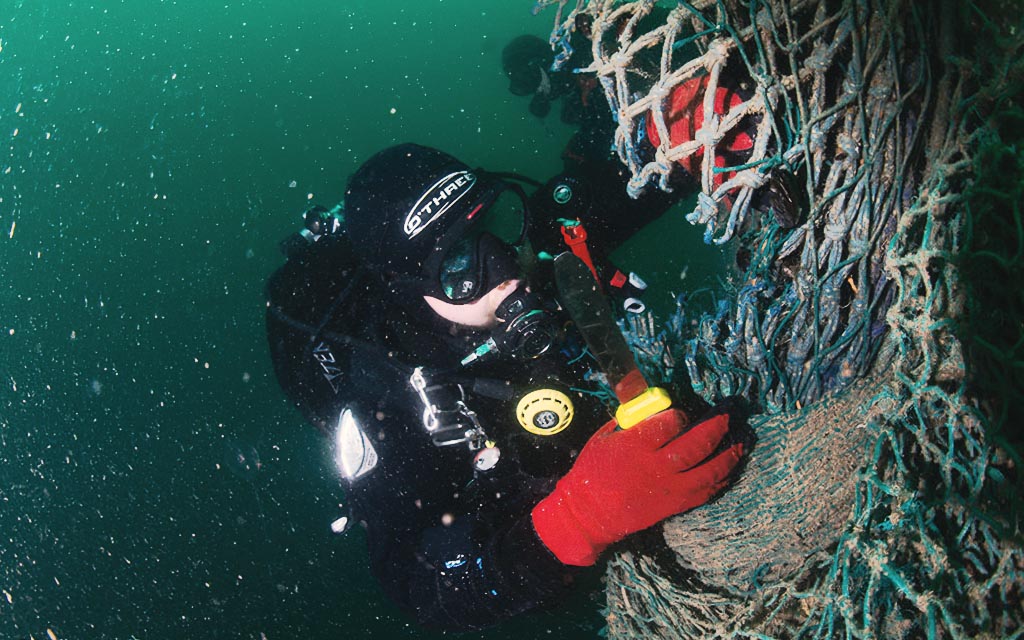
{"x": 882, "y": 497}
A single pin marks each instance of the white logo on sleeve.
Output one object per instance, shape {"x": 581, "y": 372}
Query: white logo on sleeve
{"x": 354, "y": 455}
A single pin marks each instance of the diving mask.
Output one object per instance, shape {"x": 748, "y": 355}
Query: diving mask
{"x": 479, "y": 282}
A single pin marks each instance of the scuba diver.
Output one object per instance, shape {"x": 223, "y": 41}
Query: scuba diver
{"x": 418, "y": 327}
{"x": 533, "y": 69}
{"x": 526, "y": 60}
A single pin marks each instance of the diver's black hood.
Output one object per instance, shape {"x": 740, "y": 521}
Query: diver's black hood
{"x": 523, "y": 60}
{"x": 406, "y": 202}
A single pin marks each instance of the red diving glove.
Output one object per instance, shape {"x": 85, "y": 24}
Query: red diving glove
{"x": 626, "y": 481}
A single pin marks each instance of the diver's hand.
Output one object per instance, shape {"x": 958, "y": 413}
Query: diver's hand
{"x": 626, "y": 481}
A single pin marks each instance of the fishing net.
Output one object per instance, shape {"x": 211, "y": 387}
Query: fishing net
{"x": 876, "y": 322}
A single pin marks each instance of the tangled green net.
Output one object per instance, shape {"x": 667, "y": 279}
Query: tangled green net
{"x": 878, "y": 333}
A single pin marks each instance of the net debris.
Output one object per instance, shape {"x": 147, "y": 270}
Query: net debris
{"x": 862, "y": 157}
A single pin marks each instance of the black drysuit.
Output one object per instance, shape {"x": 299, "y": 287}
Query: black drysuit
{"x": 452, "y": 544}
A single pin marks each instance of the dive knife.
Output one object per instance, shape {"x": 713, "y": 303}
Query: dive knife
{"x": 582, "y": 298}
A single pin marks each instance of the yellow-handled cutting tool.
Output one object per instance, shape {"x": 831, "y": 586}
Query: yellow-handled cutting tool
{"x": 582, "y": 298}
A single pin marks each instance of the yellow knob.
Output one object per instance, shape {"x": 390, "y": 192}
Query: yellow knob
{"x": 545, "y": 412}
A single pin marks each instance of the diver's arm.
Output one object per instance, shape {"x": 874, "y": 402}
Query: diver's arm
{"x": 453, "y": 563}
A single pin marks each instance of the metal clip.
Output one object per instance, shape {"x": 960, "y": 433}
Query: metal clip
{"x": 452, "y": 423}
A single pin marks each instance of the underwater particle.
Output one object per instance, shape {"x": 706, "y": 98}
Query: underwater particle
{"x": 242, "y": 459}
{"x": 13, "y": 224}
{"x": 447, "y": 519}
{"x": 10, "y": 598}
{"x": 96, "y": 386}
{"x": 246, "y": 377}
{"x": 293, "y": 184}
{"x": 393, "y": 111}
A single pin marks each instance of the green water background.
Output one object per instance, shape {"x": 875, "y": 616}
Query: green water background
{"x": 154, "y": 483}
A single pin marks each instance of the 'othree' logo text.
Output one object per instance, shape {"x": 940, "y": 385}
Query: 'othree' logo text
{"x": 436, "y": 200}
